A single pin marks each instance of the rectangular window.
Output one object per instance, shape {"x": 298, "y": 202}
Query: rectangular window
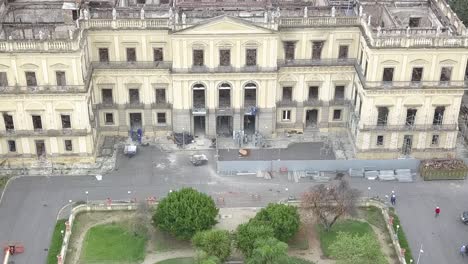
{"x": 286, "y": 115}
{"x": 416, "y": 74}
{"x": 438, "y": 115}
{"x": 382, "y": 116}
{"x": 31, "y": 79}
{"x": 8, "y": 120}
{"x": 387, "y": 75}
{"x": 410, "y": 116}
{"x": 289, "y": 50}
{"x": 337, "y": 114}
{"x": 68, "y": 145}
{"x": 287, "y": 93}
{"x": 11, "y": 145}
{"x": 317, "y": 50}
{"x": 161, "y": 118}
{"x": 66, "y": 122}
{"x": 3, "y": 79}
{"x": 198, "y": 57}
{"x": 313, "y": 92}
{"x": 103, "y": 54}
{"x": 60, "y": 77}
{"x": 160, "y": 96}
{"x": 131, "y": 55}
{"x": 224, "y": 57}
{"x": 445, "y": 74}
{"x": 37, "y": 122}
{"x": 158, "y": 54}
{"x": 251, "y": 57}
{"x": 435, "y": 140}
{"x": 109, "y": 118}
{"x": 107, "y": 96}
{"x": 380, "y": 140}
{"x": 343, "y": 52}
{"x": 339, "y": 92}
{"x": 414, "y": 22}
{"x": 134, "y": 96}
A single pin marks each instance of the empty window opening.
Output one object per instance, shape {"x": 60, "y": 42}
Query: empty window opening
{"x": 382, "y": 116}
{"x": 198, "y": 57}
{"x": 199, "y": 98}
{"x": 66, "y": 122}
{"x": 158, "y": 54}
{"x": 416, "y": 74}
{"x": 131, "y": 54}
{"x": 438, "y": 115}
{"x": 249, "y": 124}
{"x": 250, "y": 97}
{"x": 414, "y": 22}
{"x": 224, "y": 57}
{"x": 313, "y": 93}
{"x": 31, "y": 79}
{"x": 161, "y": 118}
{"x": 160, "y": 96}
{"x": 289, "y": 50}
{"x": 251, "y": 57}
{"x": 75, "y": 15}
{"x": 40, "y": 149}
{"x": 134, "y": 95}
{"x": 388, "y": 75}
{"x": 317, "y": 47}
{"x": 109, "y": 118}
{"x": 287, "y": 93}
{"x": 60, "y": 77}
{"x": 37, "y": 122}
{"x": 435, "y": 140}
{"x": 286, "y": 115}
{"x": 343, "y": 52}
{"x": 410, "y": 116}
{"x": 141, "y": 1}
{"x": 445, "y": 74}
{"x": 224, "y": 126}
{"x": 339, "y": 92}
{"x": 466, "y": 73}
{"x": 8, "y": 120}
{"x": 103, "y": 54}
{"x": 11, "y": 145}
{"x": 107, "y": 96}
{"x": 311, "y": 118}
{"x": 355, "y": 97}
{"x": 135, "y": 121}
{"x": 68, "y": 145}
{"x": 407, "y": 144}
{"x": 224, "y": 98}
{"x": 380, "y": 140}
{"x": 3, "y": 79}
{"x": 199, "y": 125}
{"x": 337, "y": 114}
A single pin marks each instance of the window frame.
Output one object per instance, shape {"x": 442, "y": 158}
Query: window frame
{"x": 380, "y": 141}
{"x": 131, "y": 52}
{"x": 158, "y": 117}
{"x": 286, "y": 115}
{"x": 65, "y": 145}
{"x": 12, "y": 145}
{"x": 106, "y": 122}
{"x": 340, "y": 111}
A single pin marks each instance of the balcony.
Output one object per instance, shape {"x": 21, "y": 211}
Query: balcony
{"x": 106, "y": 105}
{"x": 199, "y": 110}
{"x": 321, "y": 62}
{"x": 414, "y": 85}
{"x": 224, "y": 111}
{"x": 44, "y": 132}
{"x": 313, "y": 102}
{"x": 286, "y": 103}
{"x": 428, "y": 127}
{"x": 340, "y": 101}
{"x": 135, "y": 105}
{"x": 161, "y": 105}
{"x": 42, "y": 89}
{"x": 132, "y": 65}
{"x": 224, "y": 69}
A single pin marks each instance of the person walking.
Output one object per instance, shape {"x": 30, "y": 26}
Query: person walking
{"x": 393, "y": 198}
{"x": 463, "y": 250}
{"x": 437, "y": 211}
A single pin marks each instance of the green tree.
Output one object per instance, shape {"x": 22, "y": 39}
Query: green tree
{"x": 185, "y": 212}
{"x": 269, "y": 251}
{"x": 204, "y": 258}
{"x": 250, "y": 232}
{"x": 461, "y": 8}
{"x": 214, "y": 242}
{"x": 355, "y": 249}
{"x": 284, "y": 220}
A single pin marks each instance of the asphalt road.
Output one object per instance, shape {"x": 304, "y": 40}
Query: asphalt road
{"x": 30, "y": 204}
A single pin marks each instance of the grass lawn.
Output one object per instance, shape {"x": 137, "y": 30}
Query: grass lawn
{"x": 401, "y": 236}
{"x": 300, "y": 261}
{"x": 56, "y": 242}
{"x": 177, "y": 261}
{"x": 112, "y": 243}
{"x": 164, "y": 241}
{"x": 3, "y": 181}
{"x": 374, "y": 216}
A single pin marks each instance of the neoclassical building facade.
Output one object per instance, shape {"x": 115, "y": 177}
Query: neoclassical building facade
{"x": 390, "y": 76}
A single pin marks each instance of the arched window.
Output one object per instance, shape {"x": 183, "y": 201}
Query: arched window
{"x": 250, "y": 85}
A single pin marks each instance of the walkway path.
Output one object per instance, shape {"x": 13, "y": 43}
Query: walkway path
{"x": 156, "y": 257}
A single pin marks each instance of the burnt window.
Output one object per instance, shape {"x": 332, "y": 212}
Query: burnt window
{"x": 365, "y": 68}
{"x": 343, "y": 52}
{"x": 109, "y": 118}
{"x": 380, "y": 140}
{"x": 382, "y": 116}
{"x": 225, "y": 57}
{"x": 313, "y": 92}
{"x": 286, "y": 115}
{"x": 3, "y": 79}
{"x": 158, "y": 54}
{"x": 141, "y": 1}
{"x": 134, "y": 95}
{"x": 37, "y": 122}
{"x": 251, "y": 57}
{"x": 435, "y": 140}
{"x": 68, "y": 145}
{"x": 31, "y": 79}
{"x": 466, "y": 72}
{"x": 75, "y": 15}
{"x": 198, "y": 57}
{"x": 355, "y": 98}
{"x": 289, "y": 50}
{"x": 161, "y": 118}
{"x": 410, "y": 116}
{"x": 103, "y": 54}
{"x": 11, "y": 145}
{"x": 224, "y": 95}
{"x": 438, "y": 115}
{"x": 387, "y": 75}
{"x": 339, "y": 92}
{"x": 131, "y": 54}
{"x": 287, "y": 93}
{"x": 60, "y": 77}
{"x": 416, "y": 74}
{"x": 445, "y": 74}
{"x": 66, "y": 122}
{"x": 414, "y": 22}
{"x": 8, "y": 120}
{"x": 160, "y": 96}
{"x": 361, "y": 57}
{"x": 317, "y": 50}
{"x": 337, "y": 114}
{"x": 107, "y": 96}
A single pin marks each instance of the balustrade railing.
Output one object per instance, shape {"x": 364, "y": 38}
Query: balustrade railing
{"x": 427, "y": 127}
{"x": 316, "y": 62}
{"x": 414, "y": 85}
{"x": 42, "y": 89}
{"x": 132, "y": 65}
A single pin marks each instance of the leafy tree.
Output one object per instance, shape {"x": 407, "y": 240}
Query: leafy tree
{"x": 284, "y": 220}
{"x": 461, "y": 8}
{"x": 214, "y": 242}
{"x": 203, "y": 258}
{"x": 185, "y": 212}
{"x": 250, "y": 232}
{"x": 269, "y": 251}
{"x": 355, "y": 249}
{"x": 329, "y": 203}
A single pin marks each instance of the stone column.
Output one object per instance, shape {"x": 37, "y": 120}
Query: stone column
{"x": 182, "y": 119}
{"x": 210, "y": 128}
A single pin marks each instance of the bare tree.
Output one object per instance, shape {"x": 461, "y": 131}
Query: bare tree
{"x": 329, "y": 203}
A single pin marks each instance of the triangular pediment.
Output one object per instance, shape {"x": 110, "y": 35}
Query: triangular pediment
{"x": 224, "y": 25}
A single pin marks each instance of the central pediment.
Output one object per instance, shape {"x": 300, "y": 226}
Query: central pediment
{"x": 224, "y": 25}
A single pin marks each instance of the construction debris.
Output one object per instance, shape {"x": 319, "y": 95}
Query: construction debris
{"x": 404, "y": 175}
{"x": 371, "y": 175}
{"x": 387, "y": 175}
{"x": 444, "y": 164}
{"x": 356, "y": 172}
{"x": 182, "y": 138}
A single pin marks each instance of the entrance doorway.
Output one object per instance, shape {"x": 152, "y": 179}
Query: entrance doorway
{"x": 249, "y": 124}
{"x": 224, "y": 126}
{"x": 135, "y": 121}
{"x": 40, "y": 149}
{"x": 311, "y": 118}
{"x": 407, "y": 144}
{"x": 199, "y": 125}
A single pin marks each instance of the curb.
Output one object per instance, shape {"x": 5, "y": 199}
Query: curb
{"x": 6, "y": 185}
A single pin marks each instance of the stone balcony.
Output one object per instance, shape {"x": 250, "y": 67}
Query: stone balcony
{"x": 224, "y": 69}
{"x": 427, "y": 127}
{"x": 316, "y": 62}
{"x": 415, "y": 85}
{"x": 42, "y": 89}
{"x": 132, "y": 65}
{"x": 312, "y": 102}
{"x": 161, "y": 105}
{"x": 286, "y": 103}
{"x": 44, "y": 132}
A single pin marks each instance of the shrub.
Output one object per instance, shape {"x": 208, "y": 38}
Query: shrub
{"x": 269, "y": 250}
{"x": 214, "y": 242}
{"x": 250, "y": 232}
{"x": 284, "y": 220}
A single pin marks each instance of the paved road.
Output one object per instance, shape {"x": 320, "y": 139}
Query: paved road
{"x": 30, "y": 205}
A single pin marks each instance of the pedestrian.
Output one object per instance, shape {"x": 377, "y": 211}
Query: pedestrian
{"x": 463, "y": 250}
{"x": 437, "y": 211}
{"x": 393, "y": 199}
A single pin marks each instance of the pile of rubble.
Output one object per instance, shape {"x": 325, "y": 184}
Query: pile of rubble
{"x": 445, "y": 164}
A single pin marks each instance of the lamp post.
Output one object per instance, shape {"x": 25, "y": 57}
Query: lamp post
{"x": 61, "y": 232}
